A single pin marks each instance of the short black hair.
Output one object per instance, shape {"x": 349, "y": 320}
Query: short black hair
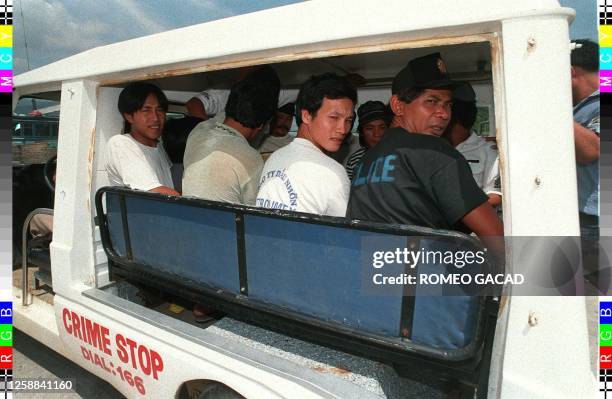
{"x": 410, "y": 94}
{"x": 587, "y": 56}
{"x": 314, "y": 90}
{"x": 133, "y": 97}
{"x": 174, "y": 136}
{"x": 464, "y": 113}
{"x": 288, "y": 109}
{"x": 253, "y": 100}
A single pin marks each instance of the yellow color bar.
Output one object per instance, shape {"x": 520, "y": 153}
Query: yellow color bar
{"x": 6, "y": 36}
{"x": 605, "y": 36}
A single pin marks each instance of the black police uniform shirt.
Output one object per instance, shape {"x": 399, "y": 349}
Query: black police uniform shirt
{"x": 414, "y": 179}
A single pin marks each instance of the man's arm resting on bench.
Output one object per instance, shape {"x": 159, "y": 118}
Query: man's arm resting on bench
{"x": 165, "y": 190}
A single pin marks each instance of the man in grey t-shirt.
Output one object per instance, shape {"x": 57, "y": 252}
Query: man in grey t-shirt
{"x": 219, "y": 163}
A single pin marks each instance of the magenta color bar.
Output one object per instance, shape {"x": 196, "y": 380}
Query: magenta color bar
{"x": 605, "y": 81}
{"x": 6, "y": 81}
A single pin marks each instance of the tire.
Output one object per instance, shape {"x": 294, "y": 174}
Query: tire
{"x": 219, "y": 391}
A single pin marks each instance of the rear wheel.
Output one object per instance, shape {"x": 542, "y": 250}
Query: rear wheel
{"x": 219, "y": 391}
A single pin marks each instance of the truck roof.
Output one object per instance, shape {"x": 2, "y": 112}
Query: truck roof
{"x": 282, "y": 34}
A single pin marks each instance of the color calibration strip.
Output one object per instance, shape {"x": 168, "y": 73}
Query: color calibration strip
{"x": 605, "y": 57}
{"x": 605, "y": 46}
{"x": 605, "y": 83}
{"x": 6, "y": 307}
{"x": 6, "y": 46}
{"x": 605, "y": 349}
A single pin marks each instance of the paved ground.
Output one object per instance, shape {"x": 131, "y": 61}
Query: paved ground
{"x": 34, "y": 360}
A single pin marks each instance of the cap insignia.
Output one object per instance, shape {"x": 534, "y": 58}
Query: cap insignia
{"x": 441, "y": 65}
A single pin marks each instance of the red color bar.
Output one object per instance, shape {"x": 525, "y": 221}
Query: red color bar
{"x": 6, "y": 357}
{"x": 605, "y": 357}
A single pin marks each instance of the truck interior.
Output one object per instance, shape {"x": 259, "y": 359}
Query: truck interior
{"x": 217, "y": 257}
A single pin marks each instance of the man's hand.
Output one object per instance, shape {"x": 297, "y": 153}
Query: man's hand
{"x": 494, "y": 199}
{"x": 483, "y": 221}
{"x": 587, "y": 144}
{"x": 165, "y": 190}
{"x": 196, "y": 108}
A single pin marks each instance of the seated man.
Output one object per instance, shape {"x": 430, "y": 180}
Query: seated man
{"x": 135, "y": 159}
{"x": 174, "y": 139}
{"x": 210, "y": 103}
{"x": 279, "y": 130}
{"x": 413, "y": 176}
{"x": 220, "y": 165}
{"x": 373, "y": 121}
{"x": 299, "y": 176}
{"x": 481, "y": 157}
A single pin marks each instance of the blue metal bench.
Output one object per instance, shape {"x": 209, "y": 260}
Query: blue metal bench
{"x": 296, "y": 273}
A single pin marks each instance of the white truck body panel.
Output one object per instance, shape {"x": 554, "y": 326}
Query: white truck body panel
{"x": 530, "y": 59}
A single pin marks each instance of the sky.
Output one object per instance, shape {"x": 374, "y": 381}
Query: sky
{"x": 585, "y": 24}
{"x": 56, "y": 29}
{"x": 49, "y": 30}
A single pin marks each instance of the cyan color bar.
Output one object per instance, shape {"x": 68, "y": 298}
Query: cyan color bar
{"x": 6, "y": 58}
{"x": 605, "y": 58}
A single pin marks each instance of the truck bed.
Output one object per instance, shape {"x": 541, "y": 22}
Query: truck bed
{"x": 334, "y": 371}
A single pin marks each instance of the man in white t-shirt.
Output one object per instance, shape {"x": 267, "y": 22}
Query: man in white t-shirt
{"x": 300, "y": 176}
{"x": 482, "y": 158}
{"x": 279, "y": 130}
{"x": 135, "y": 159}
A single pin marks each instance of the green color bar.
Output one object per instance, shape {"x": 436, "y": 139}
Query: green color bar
{"x": 6, "y": 335}
{"x": 605, "y": 335}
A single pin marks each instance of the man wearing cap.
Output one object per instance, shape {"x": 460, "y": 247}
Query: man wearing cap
{"x": 279, "y": 130}
{"x": 481, "y": 157}
{"x": 373, "y": 121}
{"x": 413, "y": 176}
{"x": 585, "y": 96}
